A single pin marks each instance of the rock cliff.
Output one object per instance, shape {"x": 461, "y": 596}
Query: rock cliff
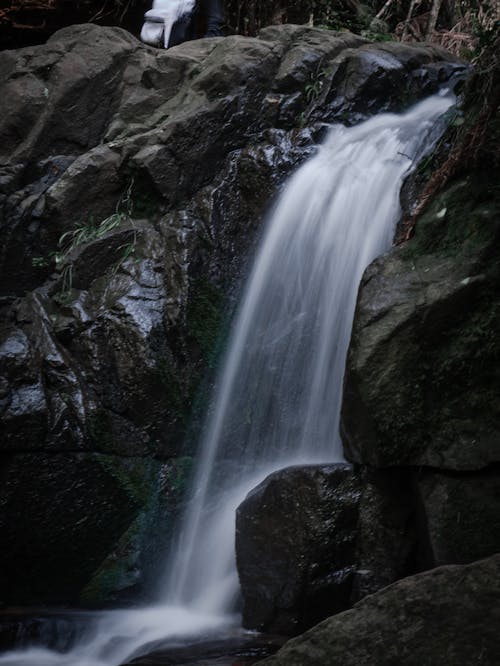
{"x": 132, "y": 186}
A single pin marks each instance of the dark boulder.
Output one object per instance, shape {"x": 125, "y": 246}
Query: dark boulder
{"x": 311, "y": 540}
{"x": 295, "y": 547}
{"x": 460, "y": 516}
{"x": 447, "y": 615}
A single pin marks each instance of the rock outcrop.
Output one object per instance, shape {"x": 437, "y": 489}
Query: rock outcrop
{"x": 132, "y": 185}
{"x": 422, "y": 377}
{"x": 450, "y": 614}
{"x": 421, "y": 389}
{"x": 295, "y": 547}
{"x": 421, "y": 401}
{"x": 310, "y": 541}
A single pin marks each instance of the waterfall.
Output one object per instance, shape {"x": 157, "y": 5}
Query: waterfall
{"x": 278, "y": 396}
{"x": 159, "y": 21}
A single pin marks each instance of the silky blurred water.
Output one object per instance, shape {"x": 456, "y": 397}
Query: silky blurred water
{"x": 168, "y": 11}
{"x": 278, "y": 397}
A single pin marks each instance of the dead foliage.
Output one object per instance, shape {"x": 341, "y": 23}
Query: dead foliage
{"x": 473, "y": 145}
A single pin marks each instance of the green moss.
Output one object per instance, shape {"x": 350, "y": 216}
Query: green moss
{"x": 180, "y": 473}
{"x": 174, "y": 393}
{"x": 204, "y": 318}
{"x": 474, "y": 345}
{"x": 119, "y": 569}
{"x": 136, "y": 476}
{"x": 460, "y": 221}
{"x": 99, "y": 430}
{"x": 465, "y": 368}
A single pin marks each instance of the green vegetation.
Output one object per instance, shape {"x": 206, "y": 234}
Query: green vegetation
{"x": 315, "y": 86}
{"x": 204, "y": 318}
{"x": 465, "y": 27}
{"x": 180, "y": 473}
{"x": 92, "y": 231}
{"x": 457, "y": 224}
{"x": 169, "y": 378}
{"x": 70, "y": 240}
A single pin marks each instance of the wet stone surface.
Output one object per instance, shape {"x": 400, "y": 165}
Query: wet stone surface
{"x": 106, "y": 355}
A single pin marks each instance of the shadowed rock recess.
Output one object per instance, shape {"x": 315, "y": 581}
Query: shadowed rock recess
{"x": 449, "y": 615}
{"x": 132, "y": 185}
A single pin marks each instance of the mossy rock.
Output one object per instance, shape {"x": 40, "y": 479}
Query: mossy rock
{"x": 61, "y": 515}
{"x": 423, "y": 378}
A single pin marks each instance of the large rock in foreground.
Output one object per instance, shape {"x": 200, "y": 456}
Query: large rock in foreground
{"x": 449, "y": 615}
{"x": 295, "y": 547}
{"x": 311, "y": 540}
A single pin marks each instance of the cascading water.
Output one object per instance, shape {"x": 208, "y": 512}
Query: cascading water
{"x": 160, "y": 20}
{"x": 278, "y": 396}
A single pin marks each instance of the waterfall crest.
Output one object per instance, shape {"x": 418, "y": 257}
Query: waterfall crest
{"x": 279, "y": 392}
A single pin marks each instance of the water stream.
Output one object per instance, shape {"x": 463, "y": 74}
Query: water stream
{"x": 278, "y": 396}
{"x": 160, "y": 19}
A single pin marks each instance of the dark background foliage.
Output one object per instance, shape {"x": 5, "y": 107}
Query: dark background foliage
{"x": 463, "y": 26}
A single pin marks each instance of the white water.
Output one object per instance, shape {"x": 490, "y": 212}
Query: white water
{"x": 279, "y": 392}
{"x": 169, "y": 11}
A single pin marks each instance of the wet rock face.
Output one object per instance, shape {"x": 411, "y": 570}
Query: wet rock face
{"x": 420, "y": 397}
{"x": 61, "y": 515}
{"x": 295, "y": 544}
{"x": 312, "y": 540}
{"x": 170, "y": 118}
{"x": 451, "y": 611}
{"x": 132, "y": 185}
{"x": 460, "y": 515}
